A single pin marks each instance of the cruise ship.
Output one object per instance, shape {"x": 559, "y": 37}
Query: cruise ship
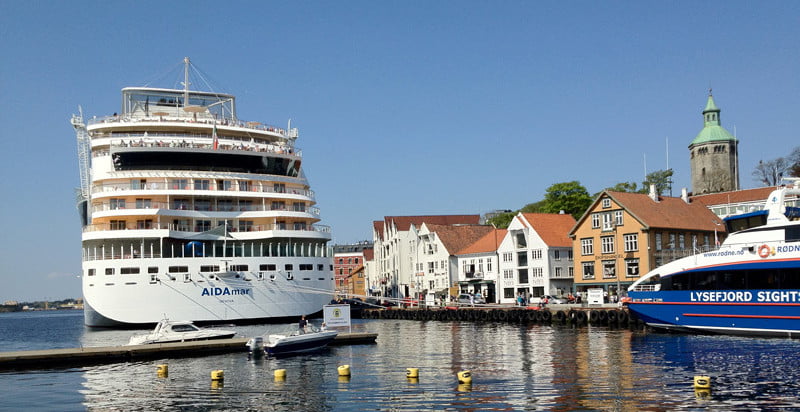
{"x": 750, "y": 285}
{"x": 190, "y": 213}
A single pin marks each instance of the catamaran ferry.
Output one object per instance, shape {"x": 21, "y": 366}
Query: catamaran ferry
{"x": 749, "y": 286}
{"x": 191, "y": 213}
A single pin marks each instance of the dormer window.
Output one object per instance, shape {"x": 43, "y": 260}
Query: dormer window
{"x": 606, "y": 203}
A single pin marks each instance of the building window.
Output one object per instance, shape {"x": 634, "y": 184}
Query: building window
{"x": 521, "y": 242}
{"x": 587, "y": 246}
{"x": 430, "y": 267}
{"x": 671, "y": 244}
{"x": 537, "y": 273}
{"x": 536, "y": 254}
{"x": 681, "y": 241}
{"x": 556, "y": 254}
{"x": 608, "y": 222}
{"x": 607, "y": 244}
{"x": 522, "y": 259}
{"x": 571, "y": 272}
{"x": 595, "y": 220}
{"x": 609, "y": 269}
{"x": 569, "y": 255}
{"x": 522, "y": 276}
{"x": 631, "y": 242}
{"x": 632, "y": 268}
{"x": 618, "y": 217}
{"x": 606, "y": 203}
{"x": 658, "y": 241}
{"x": 488, "y": 265}
{"x": 559, "y": 269}
{"x": 588, "y": 270}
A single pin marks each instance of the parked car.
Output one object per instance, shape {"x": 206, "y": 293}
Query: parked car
{"x": 476, "y": 298}
{"x": 380, "y": 302}
{"x": 553, "y": 299}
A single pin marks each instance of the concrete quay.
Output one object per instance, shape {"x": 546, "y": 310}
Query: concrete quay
{"x": 551, "y": 314}
{"x": 77, "y": 357}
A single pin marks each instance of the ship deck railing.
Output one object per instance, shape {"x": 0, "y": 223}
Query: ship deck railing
{"x": 190, "y": 118}
{"x": 142, "y": 208}
{"x": 195, "y": 142}
{"x": 145, "y": 225}
{"x": 200, "y": 184}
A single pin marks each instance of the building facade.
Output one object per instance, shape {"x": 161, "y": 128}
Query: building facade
{"x": 536, "y": 257}
{"x": 714, "y": 155}
{"x": 624, "y": 235}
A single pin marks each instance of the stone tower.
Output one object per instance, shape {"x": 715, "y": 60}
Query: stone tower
{"x": 714, "y": 155}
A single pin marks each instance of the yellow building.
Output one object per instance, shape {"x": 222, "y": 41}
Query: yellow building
{"x": 355, "y": 283}
{"x": 624, "y": 235}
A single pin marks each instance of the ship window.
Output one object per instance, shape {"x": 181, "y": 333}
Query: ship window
{"x": 202, "y": 225}
{"x": 279, "y": 187}
{"x": 225, "y": 205}
{"x": 90, "y": 272}
{"x": 143, "y": 203}
{"x": 244, "y": 186}
{"x": 306, "y": 267}
{"x": 299, "y": 206}
{"x": 299, "y": 225}
{"x": 289, "y": 266}
{"x": 278, "y": 206}
{"x": 116, "y": 203}
{"x": 245, "y": 205}
{"x": 153, "y": 278}
{"x": 792, "y": 234}
{"x": 144, "y": 224}
{"x": 179, "y": 184}
{"x": 178, "y": 269}
{"x": 117, "y": 225}
{"x": 239, "y": 268}
{"x": 202, "y": 184}
{"x": 202, "y": 204}
{"x": 268, "y": 267}
{"x": 128, "y": 271}
{"x": 209, "y": 268}
{"x": 109, "y": 271}
{"x": 152, "y": 269}
{"x": 223, "y": 185}
{"x": 280, "y": 225}
{"x": 180, "y": 204}
{"x": 320, "y": 267}
{"x": 245, "y": 225}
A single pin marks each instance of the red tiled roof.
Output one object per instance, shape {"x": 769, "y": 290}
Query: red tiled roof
{"x": 377, "y": 226}
{"x": 369, "y": 254}
{"x": 738, "y": 196}
{"x": 456, "y": 238}
{"x": 403, "y": 223}
{"x": 552, "y": 228}
{"x": 488, "y": 243}
{"x": 667, "y": 213}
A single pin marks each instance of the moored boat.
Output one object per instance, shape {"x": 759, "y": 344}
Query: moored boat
{"x": 189, "y": 210}
{"x": 168, "y": 331}
{"x": 297, "y": 342}
{"x": 750, "y": 285}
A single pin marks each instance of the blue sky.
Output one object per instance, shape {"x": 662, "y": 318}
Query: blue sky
{"x": 404, "y": 107}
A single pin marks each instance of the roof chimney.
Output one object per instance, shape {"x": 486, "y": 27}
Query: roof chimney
{"x": 653, "y": 194}
{"x": 685, "y": 195}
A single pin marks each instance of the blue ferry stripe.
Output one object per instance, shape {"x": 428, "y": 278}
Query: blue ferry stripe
{"x": 709, "y": 315}
{"x": 717, "y": 303}
{"x": 748, "y": 264}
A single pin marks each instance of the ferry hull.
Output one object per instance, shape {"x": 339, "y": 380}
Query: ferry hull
{"x": 733, "y": 312}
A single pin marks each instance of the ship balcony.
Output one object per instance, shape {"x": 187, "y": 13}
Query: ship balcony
{"x": 201, "y": 187}
{"x": 155, "y": 141}
{"x": 143, "y": 208}
{"x": 146, "y": 228}
{"x": 190, "y": 121}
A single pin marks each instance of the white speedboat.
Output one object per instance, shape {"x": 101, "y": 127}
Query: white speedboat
{"x": 188, "y": 209}
{"x": 167, "y": 331}
{"x": 298, "y": 342}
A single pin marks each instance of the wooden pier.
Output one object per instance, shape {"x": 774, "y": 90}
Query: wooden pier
{"x": 76, "y": 357}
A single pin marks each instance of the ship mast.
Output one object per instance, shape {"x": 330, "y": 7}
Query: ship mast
{"x": 185, "y": 81}
{"x": 84, "y": 153}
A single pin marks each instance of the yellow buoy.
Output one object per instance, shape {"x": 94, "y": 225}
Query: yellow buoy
{"x": 217, "y": 375}
{"x": 412, "y": 372}
{"x": 344, "y": 370}
{"x": 163, "y": 371}
{"x": 217, "y": 384}
{"x": 280, "y": 374}
{"x": 702, "y": 382}
{"x": 412, "y": 380}
{"x": 344, "y": 378}
{"x": 464, "y": 387}
{"x": 465, "y": 377}
{"x": 703, "y": 394}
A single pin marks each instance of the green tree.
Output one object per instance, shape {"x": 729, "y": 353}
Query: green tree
{"x": 628, "y": 187}
{"x": 661, "y": 178}
{"x": 570, "y": 197}
{"x": 533, "y": 207}
{"x": 502, "y": 220}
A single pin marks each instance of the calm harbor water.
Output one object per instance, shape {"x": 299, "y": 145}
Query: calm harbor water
{"x": 514, "y": 367}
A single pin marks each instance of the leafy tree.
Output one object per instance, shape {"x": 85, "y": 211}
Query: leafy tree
{"x": 628, "y": 187}
{"x": 502, "y": 220}
{"x": 533, "y": 207}
{"x": 661, "y": 178}
{"x": 771, "y": 172}
{"x": 570, "y": 197}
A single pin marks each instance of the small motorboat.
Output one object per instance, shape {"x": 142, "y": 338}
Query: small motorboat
{"x": 297, "y": 342}
{"x": 167, "y": 331}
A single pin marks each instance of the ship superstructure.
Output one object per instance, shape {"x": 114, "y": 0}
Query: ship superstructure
{"x": 192, "y": 213}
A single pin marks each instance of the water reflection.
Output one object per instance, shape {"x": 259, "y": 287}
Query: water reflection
{"x": 514, "y": 367}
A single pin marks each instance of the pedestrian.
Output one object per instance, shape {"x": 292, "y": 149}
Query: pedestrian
{"x": 471, "y": 300}
{"x": 303, "y": 324}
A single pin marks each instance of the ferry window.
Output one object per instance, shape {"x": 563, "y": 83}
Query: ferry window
{"x": 143, "y": 203}
{"x": 245, "y": 225}
{"x": 288, "y": 266}
{"x": 178, "y": 269}
{"x": 152, "y": 269}
{"x": 609, "y": 269}
{"x": 588, "y": 270}
{"x": 179, "y": 184}
{"x": 280, "y": 225}
{"x": 223, "y": 185}
{"x": 128, "y": 271}
{"x": 180, "y": 225}
{"x": 90, "y": 272}
{"x": 306, "y": 267}
{"x": 268, "y": 267}
{"x": 187, "y": 277}
{"x": 109, "y": 271}
{"x": 137, "y": 184}
{"x": 792, "y": 234}
{"x": 116, "y": 204}
{"x": 209, "y": 268}
{"x": 320, "y": 267}
{"x": 703, "y": 280}
{"x": 153, "y": 278}
{"x": 239, "y": 268}
{"x": 202, "y": 184}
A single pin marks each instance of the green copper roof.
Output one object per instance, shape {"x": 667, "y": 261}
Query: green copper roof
{"x": 712, "y": 129}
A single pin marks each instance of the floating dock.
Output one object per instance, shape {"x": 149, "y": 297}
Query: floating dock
{"x": 76, "y": 357}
